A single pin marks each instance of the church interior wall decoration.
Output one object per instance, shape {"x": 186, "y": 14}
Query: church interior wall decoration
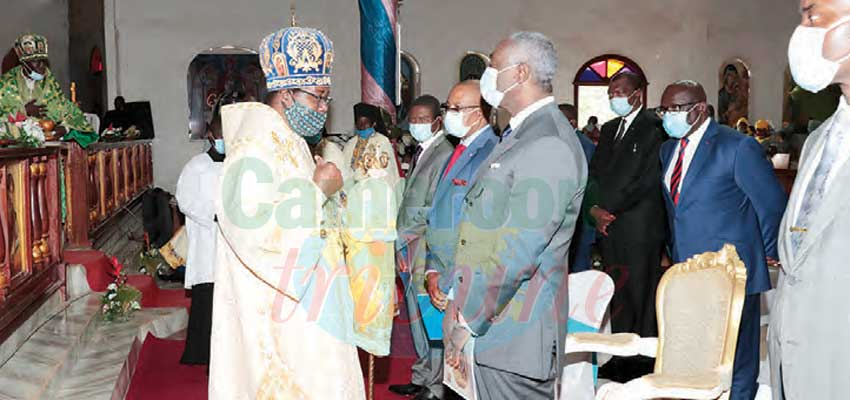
{"x": 733, "y": 98}
{"x": 410, "y": 83}
{"x": 472, "y": 65}
{"x": 213, "y": 74}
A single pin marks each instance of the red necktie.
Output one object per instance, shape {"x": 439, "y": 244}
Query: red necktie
{"x": 458, "y": 152}
{"x": 676, "y": 179}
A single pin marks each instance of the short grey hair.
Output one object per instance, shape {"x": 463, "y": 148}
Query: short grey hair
{"x": 538, "y": 52}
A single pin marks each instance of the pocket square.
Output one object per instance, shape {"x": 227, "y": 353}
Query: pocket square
{"x": 495, "y": 165}
{"x": 459, "y": 182}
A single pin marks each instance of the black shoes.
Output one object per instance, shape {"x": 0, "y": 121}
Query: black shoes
{"x": 406, "y": 390}
{"x": 426, "y": 394}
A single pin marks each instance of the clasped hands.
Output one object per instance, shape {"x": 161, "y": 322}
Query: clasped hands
{"x": 38, "y": 111}
{"x": 327, "y": 177}
{"x": 603, "y": 219}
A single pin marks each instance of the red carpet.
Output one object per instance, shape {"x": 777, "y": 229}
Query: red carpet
{"x": 159, "y": 374}
{"x": 97, "y": 273}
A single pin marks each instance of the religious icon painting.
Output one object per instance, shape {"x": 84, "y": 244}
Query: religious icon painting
{"x": 733, "y": 98}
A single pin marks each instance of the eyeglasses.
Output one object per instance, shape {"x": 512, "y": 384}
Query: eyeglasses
{"x": 446, "y": 108}
{"x": 675, "y": 108}
{"x": 319, "y": 99}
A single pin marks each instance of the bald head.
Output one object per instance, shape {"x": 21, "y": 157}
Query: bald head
{"x": 683, "y": 93}
{"x": 465, "y": 97}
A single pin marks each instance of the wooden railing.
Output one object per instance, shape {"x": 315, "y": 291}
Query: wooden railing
{"x": 101, "y": 180}
{"x": 30, "y": 232}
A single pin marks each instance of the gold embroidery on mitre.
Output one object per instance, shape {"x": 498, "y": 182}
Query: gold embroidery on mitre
{"x": 304, "y": 51}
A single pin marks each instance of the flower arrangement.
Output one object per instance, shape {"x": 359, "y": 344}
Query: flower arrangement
{"x": 150, "y": 261}
{"x": 24, "y": 130}
{"x": 120, "y": 300}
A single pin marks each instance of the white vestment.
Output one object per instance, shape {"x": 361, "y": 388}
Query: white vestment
{"x": 281, "y": 319}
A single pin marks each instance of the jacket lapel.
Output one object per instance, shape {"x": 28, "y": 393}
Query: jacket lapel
{"x": 463, "y": 160}
{"x": 666, "y": 159}
{"x": 706, "y": 147}
{"x": 835, "y": 198}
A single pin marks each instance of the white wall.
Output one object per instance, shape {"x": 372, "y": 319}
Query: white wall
{"x": 48, "y": 18}
{"x": 670, "y": 39}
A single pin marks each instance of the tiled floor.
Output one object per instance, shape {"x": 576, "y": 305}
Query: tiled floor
{"x": 77, "y": 356}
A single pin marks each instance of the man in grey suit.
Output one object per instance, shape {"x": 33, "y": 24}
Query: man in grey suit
{"x": 809, "y": 324}
{"x": 510, "y": 289}
{"x": 427, "y": 163}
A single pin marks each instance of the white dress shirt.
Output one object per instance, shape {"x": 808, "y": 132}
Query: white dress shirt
{"x": 471, "y": 138}
{"x": 196, "y": 190}
{"x": 426, "y": 144}
{"x": 693, "y": 144}
{"x": 840, "y": 125}
{"x": 518, "y": 119}
{"x": 627, "y": 121}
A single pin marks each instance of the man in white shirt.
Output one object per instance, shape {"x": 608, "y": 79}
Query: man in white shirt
{"x": 197, "y": 189}
{"x": 809, "y": 322}
{"x": 432, "y": 152}
{"x": 516, "y": 223}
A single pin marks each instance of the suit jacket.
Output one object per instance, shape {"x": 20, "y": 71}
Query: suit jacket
{"x": 444, "y": 216}
{"x": 729, "y": 195}
{"x": 511, "y": 262}
{"x": 623, "y": 179}
{"x": 808, "y": 317}
{"x": 416, "y": 202}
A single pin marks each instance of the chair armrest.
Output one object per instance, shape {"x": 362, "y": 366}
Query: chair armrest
{"x": 618, "y": 344}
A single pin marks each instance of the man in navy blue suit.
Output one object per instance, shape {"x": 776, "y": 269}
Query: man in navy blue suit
{"x": 719, "y": 188}
{"x": 585, "y": 234}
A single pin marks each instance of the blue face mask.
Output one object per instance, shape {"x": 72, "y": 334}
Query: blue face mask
{"x": 621, "y": 106}
{"x": 305, "y": 121}
{"x": 218, "y": 144}
{"x": 366, "y": 133}
{"x": 676, "y": 124}
{"x": 32, "y": 75}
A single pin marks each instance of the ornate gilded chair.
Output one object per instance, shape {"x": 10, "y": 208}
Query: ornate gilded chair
{"x": 699, "y": 305}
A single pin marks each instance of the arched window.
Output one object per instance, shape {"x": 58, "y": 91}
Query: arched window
{"x": 220, "y": 71}
{"x": 591, "y": 86}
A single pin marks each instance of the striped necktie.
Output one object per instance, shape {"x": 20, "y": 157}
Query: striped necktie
{"x": 507, "y": 132}
{"x": 676, "y": 179}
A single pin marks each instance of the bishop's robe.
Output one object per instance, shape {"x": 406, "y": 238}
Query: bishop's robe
{"x": 373, "y": 190}
{"x": 15, "y": 94}
{"x": 283, "y": 312}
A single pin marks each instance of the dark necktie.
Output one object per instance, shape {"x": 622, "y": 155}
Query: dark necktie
{"x": 676, "y": 179}
{"x": 620, "y": 132}
{"x": 507, "y": 132}
{"x": 415, "y": 159}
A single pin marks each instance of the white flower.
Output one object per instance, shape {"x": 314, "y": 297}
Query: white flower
{"x": 33, "y": 128}
{"x": 111, "y": 296}
{"x": 112, "y": 286}
{"x": 136, "y": 305}
{"x": 106, "y": 308}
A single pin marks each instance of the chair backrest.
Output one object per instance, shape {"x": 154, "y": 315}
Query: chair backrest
{"x": 699, "y": 304}
{"x": 589, "y": 295}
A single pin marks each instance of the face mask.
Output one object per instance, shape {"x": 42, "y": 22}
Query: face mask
{"x": 32, "y": 75}
{"x": 489, "y": 86}
{"x": 621, "y": 106}
{"x": 313, "y": 140}
{"x": 305, "y": 121}
{"x": 218, "y": 144}
{"x": 454, "y": 124}
{"x": 365, "y": 133}
{"x": 808, "y": 66}
{"x": 421, "y": 132}
{"x": 676, "y": 124}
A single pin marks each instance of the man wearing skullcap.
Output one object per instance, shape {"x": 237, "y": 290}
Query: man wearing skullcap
{"x": 30, "y": 91}
{"x": 284, "y": 314}
{"x": 763, "y": 131}
{"x": 369, "y": 152}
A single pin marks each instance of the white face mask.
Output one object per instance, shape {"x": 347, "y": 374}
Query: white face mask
{"x": 454, "y": 124}
{"x": 489, "y": 85}
{"x": 810, "y": 69}
{"x": 421, "y": 132}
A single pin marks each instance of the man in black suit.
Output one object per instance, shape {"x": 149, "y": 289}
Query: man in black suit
{"x": 626, "y": 206}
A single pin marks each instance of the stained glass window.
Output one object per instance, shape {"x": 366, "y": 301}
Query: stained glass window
{"x": 591, "y": 86}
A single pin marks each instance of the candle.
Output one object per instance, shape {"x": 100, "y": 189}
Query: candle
{"x": 74, "y": 92}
